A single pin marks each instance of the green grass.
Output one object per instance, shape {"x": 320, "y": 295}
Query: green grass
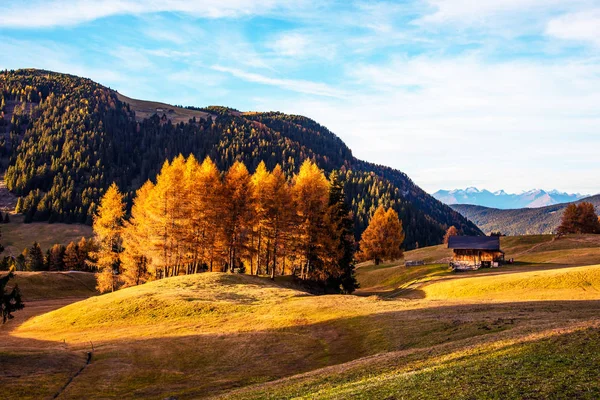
{"x": 563, "y": 366}
{"x": 17, "y": 236}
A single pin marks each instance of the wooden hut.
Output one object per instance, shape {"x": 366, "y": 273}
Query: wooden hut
{"x": 474, "y": 252}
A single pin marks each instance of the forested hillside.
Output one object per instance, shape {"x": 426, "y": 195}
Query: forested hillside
{"x": 523, "y": 221}
{"x": 66, "y": 139}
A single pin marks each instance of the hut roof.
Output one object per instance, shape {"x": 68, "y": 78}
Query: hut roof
{"x": 474, "y": 243}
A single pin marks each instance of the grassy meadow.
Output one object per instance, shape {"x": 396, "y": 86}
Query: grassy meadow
{"x": 530, "y": 330}
{"x": 17, "y": 235}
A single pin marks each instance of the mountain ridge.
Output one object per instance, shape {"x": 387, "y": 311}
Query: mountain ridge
{"x": 68, "y": 138}
{"x": 523, "y": 221}
{"x": 502, "y": 200}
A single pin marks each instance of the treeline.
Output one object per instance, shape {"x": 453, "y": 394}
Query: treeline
{"x": 76, "y": 256}
{"x": 70, "y": 138}
{"x": 195, "y": 218}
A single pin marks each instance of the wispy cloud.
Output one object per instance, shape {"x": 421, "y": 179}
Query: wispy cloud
{"x": 302, "y": 45}
{"x": 581, "y": 26}
{"x": 39, "y": 13}
{"x": 295, "y": 85}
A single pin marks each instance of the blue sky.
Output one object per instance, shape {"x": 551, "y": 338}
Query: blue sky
{"x": 498, "y": 94}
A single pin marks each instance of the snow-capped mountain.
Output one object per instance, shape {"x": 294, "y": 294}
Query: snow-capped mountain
{"x": 503, "y": 200}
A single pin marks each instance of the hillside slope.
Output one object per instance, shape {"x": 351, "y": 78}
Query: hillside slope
{"x": 524, "y": 221}
{"x": 211, "y": 334}
{"x": 530, "y": 253}
{"x": 68, "y": 138}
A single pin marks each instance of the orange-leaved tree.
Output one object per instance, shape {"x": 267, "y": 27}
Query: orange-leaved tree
{"x": 136, "y": 240}
{"x": 238, "y": 213}
{"x": 383, "y": 237}
{"x": 579, "y": 218}
{"x": 311, "y": 194}
{"x": 452, "y": 231}
{"x": 108, "y": 225}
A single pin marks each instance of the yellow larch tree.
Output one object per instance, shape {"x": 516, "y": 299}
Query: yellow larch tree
{"x": 208, "y": 208}
{"x": 162, "y": 207}
{"x": 238, "y": 213}
{"x": 279, "y": 218}
{"x": 383, "y": 237}
{"x": 260, "y": 180}
{"x": 136, "y": 239}
{"x": 108, "y": 226}
{"x": 311, "y": 195}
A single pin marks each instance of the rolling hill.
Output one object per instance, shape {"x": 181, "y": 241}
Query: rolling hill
{"x": 68, "y": 138}
{"x": 524, "y": 221}
{"x": 530, "y": 253}
{"x": 236, "y": 336}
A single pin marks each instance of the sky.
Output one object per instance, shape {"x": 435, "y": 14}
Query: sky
{"x": 497, "y": 94}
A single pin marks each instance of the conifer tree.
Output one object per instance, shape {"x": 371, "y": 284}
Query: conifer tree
{"x": 209, "y": 210}
{"x": 108, "y": 225}
{"x": 278, "y": 218}
{"x": 238, "y": 213}
{"x": 579, "y": 218}
{"x": 340, "y": 276}
{"x": 383, "y": 237}
{"x": 162, "y": 204}
{"x": 10, "y": 301}
{"x": 136, "y": 238}
{"x": 55, "y": 258}
{"x": 260, "y": 180}
{"x": 311, "y": 194}
{"x": 72, "y": 258}
{"x": 34, "y": 260}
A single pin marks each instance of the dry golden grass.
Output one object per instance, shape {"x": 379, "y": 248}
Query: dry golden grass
{"x": 236, "y": 336}
{"x": 576, "y": 283}
{"x": 54, "y": 285}
{"x": 17, "y": 236}
{"x": 531, "y": 253}
{"x": 145, "y": 109}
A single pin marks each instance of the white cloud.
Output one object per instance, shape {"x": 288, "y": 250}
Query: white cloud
{"x": 299, "y": 45}
{"x": 39, "y": 13}
{"x": 469, "y": 11}
{"x": 461, "y": 121}
{"x": 295, "y": 85}
{"x": 131, "y": 58}
{"x": 581, "y": 26}
{"x": 168, "y": 53}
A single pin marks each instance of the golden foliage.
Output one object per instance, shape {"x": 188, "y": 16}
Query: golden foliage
{"x": 383, "y": 237}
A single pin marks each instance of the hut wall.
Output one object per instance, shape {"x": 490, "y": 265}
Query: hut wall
{"x": 476, "y": 256}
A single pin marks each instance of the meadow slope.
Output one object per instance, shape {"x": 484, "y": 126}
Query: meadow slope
{"x": 531, "y": 253}
{"x": 217, "y": 334}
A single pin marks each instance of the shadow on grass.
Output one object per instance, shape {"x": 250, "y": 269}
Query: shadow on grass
{"x": 207, "y": 364}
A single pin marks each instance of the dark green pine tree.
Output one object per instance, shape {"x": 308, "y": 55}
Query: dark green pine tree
{"x": 35, "y": 258}
{"x": 11, "y": 301}
{"x": 342, "y": 223}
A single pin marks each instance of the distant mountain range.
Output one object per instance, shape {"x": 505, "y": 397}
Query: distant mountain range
{"x": 524, "y": 221}
{"x": 502, "y": 200}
